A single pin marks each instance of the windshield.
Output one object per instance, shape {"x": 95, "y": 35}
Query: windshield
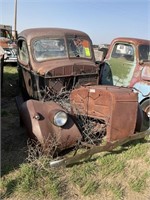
{"x": 49, "y": 48}
{"x": 144, "y": 52}
{"x": 56, "y": 48}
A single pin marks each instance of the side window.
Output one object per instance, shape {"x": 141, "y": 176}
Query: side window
{"x": 23, "y": 52}
{"x": 125, "y": 51}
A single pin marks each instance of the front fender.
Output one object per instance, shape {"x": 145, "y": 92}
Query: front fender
{"x": 36, "y": 118}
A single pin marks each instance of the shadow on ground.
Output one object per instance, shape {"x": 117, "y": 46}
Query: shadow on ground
{"x": 13, "y": 137}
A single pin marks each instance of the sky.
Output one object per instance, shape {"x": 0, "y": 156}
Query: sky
{"x": 102, "y": 20}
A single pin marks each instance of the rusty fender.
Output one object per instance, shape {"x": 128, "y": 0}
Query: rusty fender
{"x": 37, "y": 117}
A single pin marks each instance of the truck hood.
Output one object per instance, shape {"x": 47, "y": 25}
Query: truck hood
{"x": 67, "y": 68}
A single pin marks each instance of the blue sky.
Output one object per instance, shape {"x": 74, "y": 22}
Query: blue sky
{"x": 103, "y": 20}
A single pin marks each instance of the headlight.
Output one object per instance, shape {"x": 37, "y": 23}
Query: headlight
{"x": 60, "y": 118}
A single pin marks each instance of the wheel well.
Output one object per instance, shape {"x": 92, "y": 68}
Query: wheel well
{"x": 144, "y": 100}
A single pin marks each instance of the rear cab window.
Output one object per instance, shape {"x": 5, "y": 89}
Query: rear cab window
{"x": 125, "y": 51}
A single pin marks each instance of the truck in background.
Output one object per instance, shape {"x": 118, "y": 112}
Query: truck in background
{"x": 8, "y": 44}
{"x": 127, "y": 64}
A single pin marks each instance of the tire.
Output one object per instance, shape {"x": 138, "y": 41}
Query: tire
{"x": 145, "y": 105}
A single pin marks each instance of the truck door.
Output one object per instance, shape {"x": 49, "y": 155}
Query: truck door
{"x": 24, "y": 72}
{"x": 122, "y": 63}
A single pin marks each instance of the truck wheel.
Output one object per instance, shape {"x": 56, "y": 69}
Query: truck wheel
{"x": 146, "y": 107}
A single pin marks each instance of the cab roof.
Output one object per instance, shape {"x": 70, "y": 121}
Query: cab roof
{"x": 135, "y": 41}
{"x": 29, "y": 34}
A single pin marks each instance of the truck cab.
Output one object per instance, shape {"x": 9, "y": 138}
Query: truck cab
{"x": 54, "y": 60}
{"x": 127, "y": 64}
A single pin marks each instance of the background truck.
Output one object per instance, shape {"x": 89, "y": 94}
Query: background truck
{"x": 127, "y": 63}
{"x": 8, "y": 44}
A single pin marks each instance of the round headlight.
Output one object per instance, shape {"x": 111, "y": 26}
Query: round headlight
{"x": 60, "y": 118}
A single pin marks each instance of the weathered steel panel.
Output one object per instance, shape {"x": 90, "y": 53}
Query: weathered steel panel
{"x": 116, "y": 105}
{"x": 36, "y": 117}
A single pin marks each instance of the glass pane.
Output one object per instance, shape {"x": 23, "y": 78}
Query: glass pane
{"x": 49, "y": 48}
{"x": 23, "y": 52}
{"x": 79, "y": 47}
{"x": 124, "y": 51}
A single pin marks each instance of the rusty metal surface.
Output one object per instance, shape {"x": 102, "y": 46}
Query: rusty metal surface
{"x": 126, "y": 70}
{"x": 67, "y": 67}
{"x": 36, "y": 117}
{"x": 146, "y": 73}
{"x": 32, "y": 34}
{"x": 116, "y": 105}
{"x": 37, "y": 87}
{"x": 133, "y": 73}
{"x": 29, "y": 34}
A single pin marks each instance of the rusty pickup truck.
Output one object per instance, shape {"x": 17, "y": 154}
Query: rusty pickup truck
{"x": 64, "y": 107}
